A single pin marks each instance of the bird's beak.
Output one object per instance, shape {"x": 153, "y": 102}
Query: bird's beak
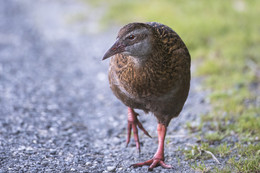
{"x": 115, "y": 49}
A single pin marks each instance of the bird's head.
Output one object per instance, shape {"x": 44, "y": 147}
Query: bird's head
{"x": 134, "y": 39}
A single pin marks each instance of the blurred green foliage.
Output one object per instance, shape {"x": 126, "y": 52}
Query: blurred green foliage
{"x": 224, "y": 41}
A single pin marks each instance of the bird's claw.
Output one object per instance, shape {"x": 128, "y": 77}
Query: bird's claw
{"x": 133, "y": 122}
{"x": 152, "y": 163}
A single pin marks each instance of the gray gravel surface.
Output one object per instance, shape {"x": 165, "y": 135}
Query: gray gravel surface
{"x": 57, "y": 113}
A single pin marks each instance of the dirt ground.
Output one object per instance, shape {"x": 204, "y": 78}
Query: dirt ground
{"x": 57, "y": 112}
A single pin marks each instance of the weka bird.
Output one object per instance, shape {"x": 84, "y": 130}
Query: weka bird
{"x": 150, "y": 70}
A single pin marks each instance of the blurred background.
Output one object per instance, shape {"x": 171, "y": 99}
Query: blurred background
{"x": 57, "y": 112}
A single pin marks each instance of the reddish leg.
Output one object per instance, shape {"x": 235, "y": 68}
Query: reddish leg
{"x": 158, "y": 158}
{"x": 133, "y": 122}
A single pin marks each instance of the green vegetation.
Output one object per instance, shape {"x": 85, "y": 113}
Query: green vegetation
{"x": 201, "y": 167}
{"x": 224, "y": 42}
{"x": 251, "y": 163}
{"x": 223, "y": 150}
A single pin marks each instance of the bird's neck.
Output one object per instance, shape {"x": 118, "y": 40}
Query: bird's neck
{"x": 138, "y": 62}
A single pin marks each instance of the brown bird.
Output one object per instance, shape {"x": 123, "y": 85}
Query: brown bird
{"x": 150, "y": 70}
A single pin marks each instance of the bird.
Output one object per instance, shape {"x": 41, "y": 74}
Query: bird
{"x": 149, "y": 70}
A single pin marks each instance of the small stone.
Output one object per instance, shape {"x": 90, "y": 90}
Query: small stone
{"x": 119, "y": 169}
{"x": 53, "y": 152}
{"x": 111, "y": 168}
{"x": 45, "y": 163}
{"x": 88, "y": 163}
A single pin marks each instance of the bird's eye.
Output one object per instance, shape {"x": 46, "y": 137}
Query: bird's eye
{"x": 131, "y": 37}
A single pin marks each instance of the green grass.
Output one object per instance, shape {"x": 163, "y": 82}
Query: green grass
{"x": 223, "y": 150}
{"x": 200, "y": 167}
{"x": 249, "y": 160}
{"x": 224, "y": 41}
{"x": 212, "y": 137}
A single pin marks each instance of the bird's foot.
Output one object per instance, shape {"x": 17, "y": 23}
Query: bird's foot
{"x": 152, "y": 163}
{"x": 133, "y": 122}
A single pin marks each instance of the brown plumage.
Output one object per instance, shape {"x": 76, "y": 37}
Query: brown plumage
{"x": 150, "y": 70}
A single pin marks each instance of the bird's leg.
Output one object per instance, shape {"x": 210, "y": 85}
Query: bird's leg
{"x": 158, "y": 158}
{"x": 133, "y": 122}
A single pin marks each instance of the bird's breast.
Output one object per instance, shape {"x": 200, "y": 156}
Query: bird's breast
{"x": 139, "y": 82}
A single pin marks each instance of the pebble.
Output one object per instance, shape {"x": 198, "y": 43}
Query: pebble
{"x": 88, "y": 163}
{"x": 111, "y": 168}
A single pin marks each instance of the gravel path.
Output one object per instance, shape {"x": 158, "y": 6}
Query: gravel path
{"x": 57, "y": 113}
